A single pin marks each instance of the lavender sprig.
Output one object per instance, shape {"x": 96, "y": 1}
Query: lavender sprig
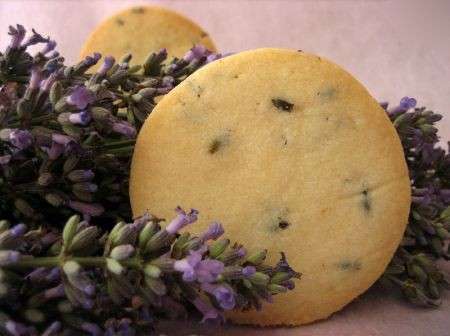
{"x": 413, "y": 269}
{"x": 78, "y": 279}
{"x": 67, "y": 136}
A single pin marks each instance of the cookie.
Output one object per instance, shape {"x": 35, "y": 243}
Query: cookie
{"x": 290, "y": 153}
{"x": 143, "y": 30}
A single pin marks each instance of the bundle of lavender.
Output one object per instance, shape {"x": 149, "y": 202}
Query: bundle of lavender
{"x": 118, "y": 283}
{"x": 66, "y": 140}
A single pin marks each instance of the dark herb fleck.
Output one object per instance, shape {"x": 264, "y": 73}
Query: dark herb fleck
{"x": 203, "y": 34}
{"x": 366, "y": 203}
{"x": 120, "y": 22}
{"x": 138, "y": 10}
{"x": 214, "y": 146}
{"x": 326, "y": 93}
{"x": 350, "y": 265}
{"x": 282, "y": 104}
{"x": 283, "y": 224}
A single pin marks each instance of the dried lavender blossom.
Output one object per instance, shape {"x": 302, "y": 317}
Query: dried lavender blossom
{"x": 58, "y": 123}
{"x": 413, "y": 268}
{"x": 135, "y": 274}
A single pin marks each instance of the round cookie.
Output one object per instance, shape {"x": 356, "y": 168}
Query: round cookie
{"x": 290, "y": 153}
{"x": 142, "y": 30}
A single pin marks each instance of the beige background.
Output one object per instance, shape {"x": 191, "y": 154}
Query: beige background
{"x": 395, "y": 48}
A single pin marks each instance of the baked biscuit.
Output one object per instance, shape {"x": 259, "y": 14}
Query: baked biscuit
{"x": 290, "y": 153}
{"x": 142, "y": 30}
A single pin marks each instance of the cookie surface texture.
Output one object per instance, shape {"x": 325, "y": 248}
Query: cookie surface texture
{"x": 143, "y": 30}
{"x": 290, "y": 153}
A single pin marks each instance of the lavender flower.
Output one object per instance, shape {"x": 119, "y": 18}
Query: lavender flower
{"x": 9, "y": 257}
{"x": 224, "y": 295}
{"x": 35, "y": 39}
{"x": 17, "y": 36}
{"x": 194, "y": 268}
{"x": 52, "y": 329}
{"x": 108, "y": 62}
{"x": 181, "y": 220}
{"x": 248, "y": 271}
{"x": 21, "y": 139}
{"x": 49, "y": 46}
{"x": 214, "y": 231}
{"x": 80, "y": 118}
{"x": 81, "y": 175}
{"x": 197, "y": 52}
{"x": 35, "y": 79}
{"x": 16, "y": 329}
{"x": 124, "y": 128}
{"x": 48, "y": 82}
{"x": 91, "y": 328}
{"x": 86, "y": 208}
{"x": 81, "y": 97}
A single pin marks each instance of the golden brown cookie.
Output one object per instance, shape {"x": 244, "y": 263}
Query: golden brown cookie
{"x": 143, "y": 30}
{"x": 290, "y": 153}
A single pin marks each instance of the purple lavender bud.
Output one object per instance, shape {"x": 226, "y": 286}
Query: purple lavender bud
{"x": 108, "y": 62}
{"x": 208, "y": 311}
{"x": 51, "y": 45}
{"x": 80, "y": 118}
{"x": 194, "y": 268}
{"x": 18, "y": 230}
{"x": 91, "y": 328}
{"x": 21, "y": 139}
{"x": 91, "y": 60}
{"x": 213, "y": 57}
{"x": 197, "y": 52}
{"x": 16, "y": 329}
{"x": 53, "y": 329}
{"x": 208, "y": 270}
{"x": 86, "y": 208}
{"x": 62, "y": 139}
{"x": 55, "y": 292}
{"x": 124, "y": 128}
{"x": 248, "y": 271}
{"x": 8, "y": 257}
{"x": 81, "y": 97}
{"x": 54, "y": 275}
{"x": 289, "y": 284}
{"x": 241, "y": 252}
{"x": 35, "y": 39}
{"x": 181, "y": 220}
{"x": 188, "y": 265}
{"x": 214, "y": 231}
{"x": 80, "y": 175}
{"x": 54, "y": 151}
{"x": 17, "y": 36}
{"x": 4, "y": 159}
{"x": 407, "y": 103}
{"x": 223, "y": 294}
{"x": 35, "y": 78}
{"x": 47, "y": 83}
{"x": 168, "y": 81}
{"x": 37, "y": 275}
